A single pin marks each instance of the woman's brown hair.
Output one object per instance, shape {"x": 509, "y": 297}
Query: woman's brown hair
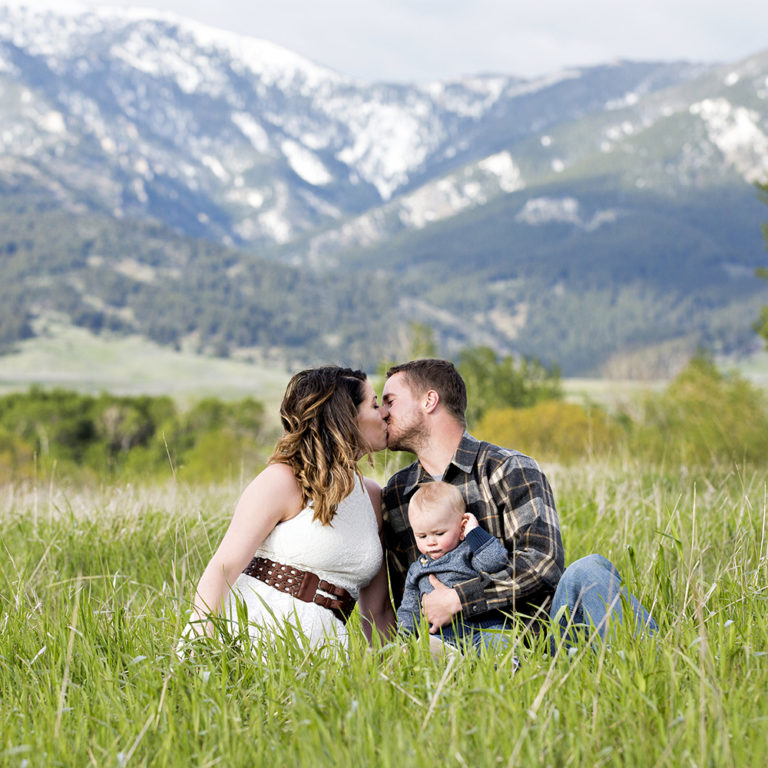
{"x": 322, "y": 442}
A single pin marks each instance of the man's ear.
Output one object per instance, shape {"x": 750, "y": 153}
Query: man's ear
{"x": 431, "y": 400}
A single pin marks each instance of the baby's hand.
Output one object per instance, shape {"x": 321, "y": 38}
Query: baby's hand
{"x": 470, "y": 522}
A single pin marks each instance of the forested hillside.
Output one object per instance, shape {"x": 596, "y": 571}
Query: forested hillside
{"x": 141, "y": 278}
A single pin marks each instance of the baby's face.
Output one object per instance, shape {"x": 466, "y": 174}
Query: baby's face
{"x": 437, "y": 530}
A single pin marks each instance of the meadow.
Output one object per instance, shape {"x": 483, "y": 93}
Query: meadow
{"x": 97, "y": 580}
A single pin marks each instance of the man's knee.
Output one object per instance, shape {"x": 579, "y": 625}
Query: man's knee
{"x": 586, "y": 569}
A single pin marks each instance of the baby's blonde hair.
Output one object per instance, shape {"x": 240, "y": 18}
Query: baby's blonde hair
{"x": 437, "y": 493}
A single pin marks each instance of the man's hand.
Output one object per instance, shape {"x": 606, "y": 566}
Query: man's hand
{"x": 440, "y": 605}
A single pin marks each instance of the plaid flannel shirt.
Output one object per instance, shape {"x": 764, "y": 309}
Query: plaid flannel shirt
{"x": 512, "y": 500}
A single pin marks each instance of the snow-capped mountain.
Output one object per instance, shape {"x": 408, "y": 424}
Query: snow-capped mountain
{"x": 698, "y": 135}
{"x": 580, "y": 217}
{"x": 242, "y": 141}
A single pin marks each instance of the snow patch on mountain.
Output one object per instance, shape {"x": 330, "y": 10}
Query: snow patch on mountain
{"x": 504, "y": 168}
{"x": 458, "y": 192}
{"x": 213, "y": 164}
{"x": 188, "y": 52}
{"x": 274, "y": 64}
{"x": 470, "y": 97}
{"x": 473, "y": 97}
{"x": 545, "y": 210}
{"x": 540, "y": 211}
{"x": 736, "y": 133}
{"x": 275, "y": 223}
{"x": 252, "y": 130}
{"x": 306, "y": 164}
{"x": 167, "y": 58}
{"x": 627, "y": 100}
{"x": 436, "y": 201}
{"x": 615, "y": 133}
{"x": 388, "y": 142}
{"x": 52, "y": 122}
{"x": 253, "y": 198}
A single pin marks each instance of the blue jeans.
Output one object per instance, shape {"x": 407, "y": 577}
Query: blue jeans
{"x": 590, "y": 597}
{"x": 478, "y": 633}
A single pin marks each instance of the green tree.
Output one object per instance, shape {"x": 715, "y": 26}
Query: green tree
{"x": 419, "y": 343}
{"x": 423, "y": 343}
{"x": 704, "y": 417}
{"x": 551, "y": 430}
{"x": 506, "y": 382}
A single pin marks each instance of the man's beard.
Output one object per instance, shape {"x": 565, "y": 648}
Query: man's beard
{"x": 410, "y": 437}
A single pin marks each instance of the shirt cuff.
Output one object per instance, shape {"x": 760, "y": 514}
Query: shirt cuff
{"x": 477, "y": 538}
{"x": 472, "y": 596}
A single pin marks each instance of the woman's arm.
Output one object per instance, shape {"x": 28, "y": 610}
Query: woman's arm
{"x": 376, "y": 610}
{"x": 272, "y": 497}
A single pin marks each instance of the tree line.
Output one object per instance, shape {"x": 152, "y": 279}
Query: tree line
{"x": 131, "y": 437}
{"x": 704, "y": 417}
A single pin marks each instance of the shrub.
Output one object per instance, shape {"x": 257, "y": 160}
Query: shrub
{"x": 132, "y": 437}
{"x": 506, "y": 382}
{"x": 553, "y": 430}
{"x": 704, "y": 417}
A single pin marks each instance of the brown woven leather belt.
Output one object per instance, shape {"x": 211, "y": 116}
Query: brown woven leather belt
{"x": 303, "y": 585}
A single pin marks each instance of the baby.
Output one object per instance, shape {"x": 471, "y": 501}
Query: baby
{"x": 454, "y": 548}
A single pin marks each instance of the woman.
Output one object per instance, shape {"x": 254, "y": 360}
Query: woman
{"x": 304, "y": 540}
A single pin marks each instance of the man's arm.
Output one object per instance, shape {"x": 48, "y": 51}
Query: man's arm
{"x": 525, "y": 511}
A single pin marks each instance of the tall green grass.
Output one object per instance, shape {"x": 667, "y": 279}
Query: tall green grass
{"x": 96, "y": 582}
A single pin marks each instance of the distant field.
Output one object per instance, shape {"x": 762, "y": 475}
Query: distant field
{"x": 76, "y": 359}
{"x": 606, "y": 392}
{"x": 754, "y": 368}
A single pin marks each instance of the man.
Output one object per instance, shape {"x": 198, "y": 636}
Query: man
{"x": 424, "y": 403}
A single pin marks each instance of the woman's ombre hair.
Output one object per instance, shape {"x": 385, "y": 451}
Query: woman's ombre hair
{"x": 322, "y": 442}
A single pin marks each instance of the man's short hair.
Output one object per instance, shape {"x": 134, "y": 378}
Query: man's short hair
{"x": 440, "y": 375}
{"x": 438, "y": 493}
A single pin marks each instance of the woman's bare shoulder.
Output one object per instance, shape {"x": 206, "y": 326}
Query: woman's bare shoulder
{"x": 276, "y": 486}
{"x": 278, "y": 473}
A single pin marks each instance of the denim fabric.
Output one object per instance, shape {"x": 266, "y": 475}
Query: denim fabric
{"x": 477, "y": 633}
{"x": 590, "y": 597}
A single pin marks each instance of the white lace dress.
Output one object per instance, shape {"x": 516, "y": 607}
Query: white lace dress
{"x": 346, "y": 553}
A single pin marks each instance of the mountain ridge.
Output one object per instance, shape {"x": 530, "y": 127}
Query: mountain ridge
{"x": 471, "y": 200}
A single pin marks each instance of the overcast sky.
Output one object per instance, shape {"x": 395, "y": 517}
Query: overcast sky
{"x": 418, "y": 40}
